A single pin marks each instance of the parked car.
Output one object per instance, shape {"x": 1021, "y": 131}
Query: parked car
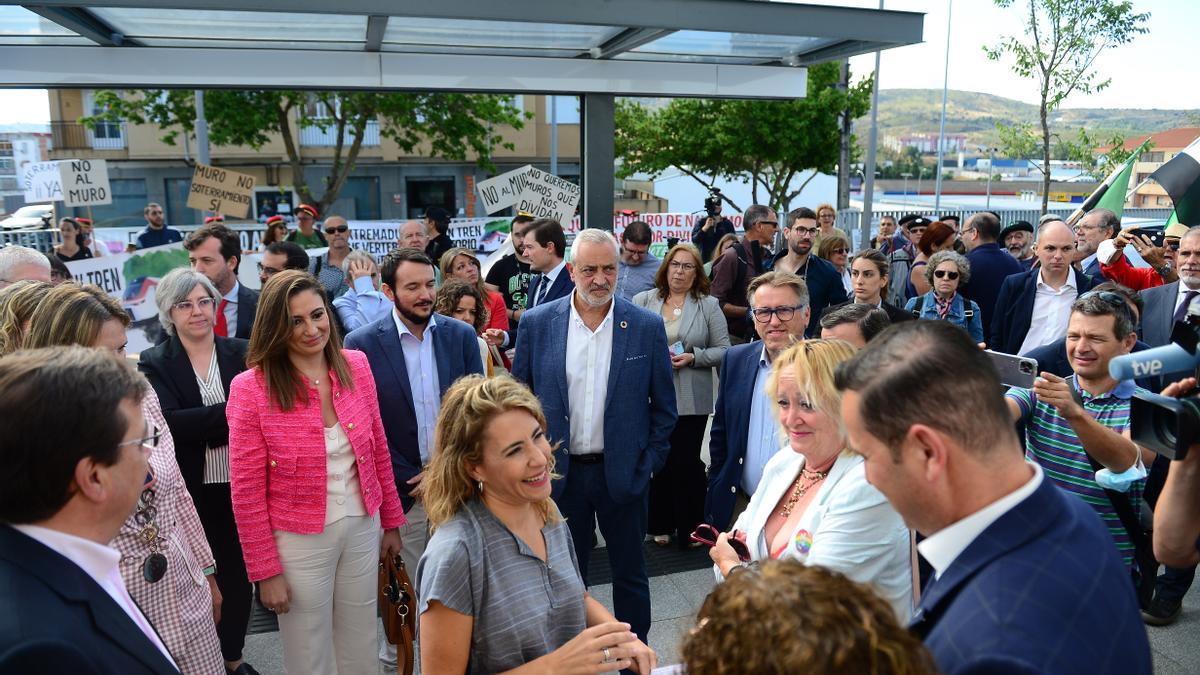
{"x": 31, "y": 217}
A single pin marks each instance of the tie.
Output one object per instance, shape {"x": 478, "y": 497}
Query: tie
{"x": 1181, "y": 311}
{"x": 543, "y": 287}
{"x": 222, "y": 328}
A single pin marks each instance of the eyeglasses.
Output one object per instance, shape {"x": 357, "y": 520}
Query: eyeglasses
{"x": 340, "y": 229}
{"x": 202, "y": 303}
{"x": 841, "y": 251}
{"x": 685, "y": 266}
{"x": 1172, "y": 245}
{"x": 149, "y": 442}
{"x": 810, "y": 231}
{"x": 946, "y": 274}
{"x": 763, "y": 314}
{"x": 772, "y": 223}
{"x": 1080, "y": 229}
{"x": 1114, "y": 299}
{"x": 267, "y": 271}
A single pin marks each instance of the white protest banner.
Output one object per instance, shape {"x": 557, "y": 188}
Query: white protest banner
{"x": 502, "y": 191}
{"x": 221, "y": 191}
{"x": 378, "y": 237}
{"x": 41, "y": 182}
{"x": 545, "y": 195}
{"x": 131, "y": 278}
{"x": 84, "y": 182}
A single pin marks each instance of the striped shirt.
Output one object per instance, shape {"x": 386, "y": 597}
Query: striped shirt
{"x": 1052, "y": 443}
{"x": 212, "y": 392}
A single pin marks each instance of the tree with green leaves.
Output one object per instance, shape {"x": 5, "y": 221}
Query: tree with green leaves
{"x": 766, "y": 143}
{"x": 454, "y": 126}
{"x": 1062, "y": 39}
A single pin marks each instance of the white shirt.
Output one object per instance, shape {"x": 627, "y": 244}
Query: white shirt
{"x": 423, "y": 382}
{"x": 1051, "y": 312}
{"x": 588, "y": 358}
{"x": 231, "y": 309}
{"x": 944, "y": 546}
{"x": 100, "y": 563}
{"x": 548, "y": 280}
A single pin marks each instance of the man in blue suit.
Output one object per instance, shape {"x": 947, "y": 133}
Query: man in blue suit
{"x": 64, "y": 494}
{"x": 1033, "y": 307}
{"x": 415, "y": 355}
{"x": 745, "y": 432}
{"x": 545, "y": 246}
{"x": 1026, "y": 577}
{"x": 1095, "y": 227}
{"x": 601, "y": 368}
{"x": 990, "y": 264}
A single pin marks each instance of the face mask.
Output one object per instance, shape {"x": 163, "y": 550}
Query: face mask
{"x": 1121, "y": 482}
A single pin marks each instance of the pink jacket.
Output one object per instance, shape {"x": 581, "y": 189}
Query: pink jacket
{"x": 277, "y": 469}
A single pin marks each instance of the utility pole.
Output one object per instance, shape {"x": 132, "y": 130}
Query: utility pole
{"x": 843, "y": 193}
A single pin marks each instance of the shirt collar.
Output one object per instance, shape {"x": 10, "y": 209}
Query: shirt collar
{"x": 403, "y": 329}
{"x": 552, "y": 275}
{"x": 764, "y": 361}
{"x": 1070, "y": 283}
{"x": 96, "y": 560}
{"x": 231, "y": 296}
{"x": 943, "y": 547}
{"x": 1123, "y": 390}
{"x": 612, "y": 304}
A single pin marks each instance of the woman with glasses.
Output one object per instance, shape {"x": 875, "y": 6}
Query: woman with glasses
{"x": 165, "y": 562}
{"x": 698, "y": 337}
{"x": 946, "y": 272}
{"x": 826, "y": 217}
{"x": 814, "y": 503}
{"x": 836, "y": 249}
{"x": 277, "y": 230}
{"x": 191, "y": 373}
{"x": 311, "y": 480}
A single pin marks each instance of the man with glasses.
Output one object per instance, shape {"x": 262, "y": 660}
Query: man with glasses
{"x": 821, "y": 278}
{"x": 1161, "y": 259}
{"x": 327, "y": 267}
{"x": 744, "y": 436}
{"x": 216, "y": 251}
{"x": 990, "y": 264}
{"x": 1095, "y": 227}
{"x": 68, "y": 491}
{"x": 638, "y": 266}
{"x": 156, "y": 233}
{"x": 280, "y": 256}
{"x": 740, "y": 263}
{"x": 306, "y": 234}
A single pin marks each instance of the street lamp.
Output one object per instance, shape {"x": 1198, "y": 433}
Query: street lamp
{"x": 906, "y": 176}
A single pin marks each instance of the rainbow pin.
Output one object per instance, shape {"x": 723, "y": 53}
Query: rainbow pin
{"x": 803, "y": 542}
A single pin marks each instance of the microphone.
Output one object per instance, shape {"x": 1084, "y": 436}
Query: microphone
{"x": 1170, "y": 358}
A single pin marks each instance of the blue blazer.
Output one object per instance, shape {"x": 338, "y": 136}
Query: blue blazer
{"x": 1041, "y": 590}
{"x": 639, "y": 409}
{"x": 1014, "y": 309}
{"x": 456, "y": 350}
{"x": 990, "y": 266}
{"x": 55, "y": 619}
{"x": 730, "y": 428}
{"x": 246, "y": 309}
{"x": 561, "y": 288}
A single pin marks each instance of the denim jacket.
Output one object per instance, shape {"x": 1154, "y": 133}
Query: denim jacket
{"x": 957, "y": 314}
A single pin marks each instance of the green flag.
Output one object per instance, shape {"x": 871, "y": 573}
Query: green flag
{"x": 1114, "y": 198}
{"x": 1171, "y": 220}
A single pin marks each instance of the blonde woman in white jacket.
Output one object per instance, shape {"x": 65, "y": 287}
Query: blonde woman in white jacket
{"x": 814, "y": 503}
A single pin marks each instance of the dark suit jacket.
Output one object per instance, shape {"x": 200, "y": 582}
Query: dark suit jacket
{"x": 730, "y": 428}
{"x": 1014, "y": 309}
{"x": 194, "y": 426}
{"x": 639, "y": 409}
{"x": 55, "y": 619}
{"x": 561, "y": 288}
{"x": 1041, "y": 590}
{"x": 990, "y": 266}
{"x": 1158, "y": 313}
{"x": 247, "y": 308}
{"x": 895, "y": 314}
{"x": 456, "y": 350}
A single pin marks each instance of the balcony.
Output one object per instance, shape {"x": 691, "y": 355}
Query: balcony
{"x": 314, "y": 136}
{"x": 75, "y": 136}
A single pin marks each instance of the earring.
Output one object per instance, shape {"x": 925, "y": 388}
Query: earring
{"x": 479, "y": 484}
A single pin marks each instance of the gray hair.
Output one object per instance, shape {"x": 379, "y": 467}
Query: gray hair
{"x": 594, "y": 235}
{"x": 175, "y": 287}
{"x": 964, "y": 265}
{"x": 754, "y": 214}
{"x": 356, "y": 255}
{"x": 12, "y": 257}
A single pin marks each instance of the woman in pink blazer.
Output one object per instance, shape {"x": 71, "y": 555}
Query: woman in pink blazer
{"x": 311, "y": 480}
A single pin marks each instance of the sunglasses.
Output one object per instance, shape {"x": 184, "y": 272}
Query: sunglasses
{"x": 946, "y": 274}
{"x": 707, "y": 534}
{"x": 840, "y": 251}
{"x": 340, "y": 229}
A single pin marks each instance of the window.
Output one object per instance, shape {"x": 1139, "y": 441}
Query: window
{"x": 566, "y": 109}
{"x": 358, "y": 199}
{"x": 423, "y": 193}
{"x": 104, "y": 135}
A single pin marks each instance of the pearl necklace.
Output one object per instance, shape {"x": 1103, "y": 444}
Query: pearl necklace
{"x": 802, "y": 488}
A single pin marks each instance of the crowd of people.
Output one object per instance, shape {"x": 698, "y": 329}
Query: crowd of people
{"x": 867, "y": 471}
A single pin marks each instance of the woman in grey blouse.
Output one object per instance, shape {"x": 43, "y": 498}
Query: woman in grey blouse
{"x": 498, "y": 586}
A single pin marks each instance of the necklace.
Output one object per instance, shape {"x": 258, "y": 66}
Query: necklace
{"x": 676, "y": 310}
{"x": 804, "y": 482}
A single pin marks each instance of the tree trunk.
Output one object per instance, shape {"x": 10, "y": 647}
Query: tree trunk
{"x": 299, "y": 184}
{"x": 341, "y": 170}
{"x": 1045, "y": 155}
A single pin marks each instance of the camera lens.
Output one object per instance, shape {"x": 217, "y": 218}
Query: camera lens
{"x": 1026, "y": 367}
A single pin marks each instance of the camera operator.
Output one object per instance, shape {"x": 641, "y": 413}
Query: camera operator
{"x": 709, "y": 231}
{"x": 1177, "y": 514}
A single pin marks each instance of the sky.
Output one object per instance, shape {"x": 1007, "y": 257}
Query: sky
{"x": 1156, "y": 70}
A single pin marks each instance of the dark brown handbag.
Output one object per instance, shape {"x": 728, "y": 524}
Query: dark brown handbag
{"x": 398, "y": 607}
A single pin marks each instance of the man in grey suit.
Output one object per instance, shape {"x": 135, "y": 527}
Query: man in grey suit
{"x": 602, "y": 371}
{"x": 1166, "y": 304}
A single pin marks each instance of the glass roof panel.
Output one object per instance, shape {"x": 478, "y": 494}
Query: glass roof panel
{"x": 690, "y": 58}
{"x": 481, "y": 50}
{"x": 702, "y": 43}
{"x": 16, "y": 21}
{"x": 221, "y": 25}
{"x": 252, "y": 44}
{"x": 466, "y": 33}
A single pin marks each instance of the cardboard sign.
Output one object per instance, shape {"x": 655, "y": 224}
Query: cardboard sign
{"x": 85, "y": 182}
{"x": 545, "y": 195}
{"x": 221, "y": 191}
{"x": 504, "y": 190}
{"x": 41, "y": 182}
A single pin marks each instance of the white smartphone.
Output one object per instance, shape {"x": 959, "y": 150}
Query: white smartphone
{"x": 1015, "y": 371}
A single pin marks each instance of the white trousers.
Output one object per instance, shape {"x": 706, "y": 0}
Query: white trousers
{"x": 333, "y": 577}
{"x": 414, "y": 535}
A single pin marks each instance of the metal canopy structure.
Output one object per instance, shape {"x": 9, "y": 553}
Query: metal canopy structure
{"x": 593, "y": 48}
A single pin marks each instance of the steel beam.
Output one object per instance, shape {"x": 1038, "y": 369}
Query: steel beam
{"x": 597, "y": 129}
{"x": 84, "y": 23}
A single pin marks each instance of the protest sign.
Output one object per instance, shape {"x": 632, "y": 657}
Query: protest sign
{"x": 545, "y": 195}
{"x": 41, "y": 182}
{"x": 84, "y": 182}
{"x": 131, "y": 278}
{"x": 221, "y": 191}
{"x": 502, "y": 191}
{"x": 378, "y": 237}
